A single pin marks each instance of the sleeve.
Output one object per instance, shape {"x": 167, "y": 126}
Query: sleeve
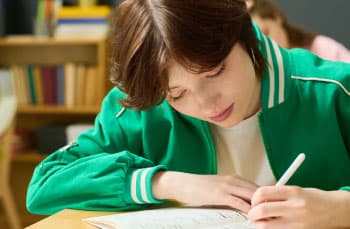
{"x": 344, "y": 116}
{"x": 94, "y": 173}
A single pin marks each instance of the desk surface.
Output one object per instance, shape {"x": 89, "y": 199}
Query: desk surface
{"x": 68, "y": 219}
{"x": 72, "y": 219}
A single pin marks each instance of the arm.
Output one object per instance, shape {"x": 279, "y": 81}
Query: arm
{"x": 102, "y": 171}
{"x": 204, "y": 190}
{"x": 106, "y": 170}
{"x": 296, "y": 207}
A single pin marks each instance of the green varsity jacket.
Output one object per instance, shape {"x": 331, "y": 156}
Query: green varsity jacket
{"x": 305, "y": 108}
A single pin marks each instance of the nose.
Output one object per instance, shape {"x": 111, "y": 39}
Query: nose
{"x": 207, "y": 101}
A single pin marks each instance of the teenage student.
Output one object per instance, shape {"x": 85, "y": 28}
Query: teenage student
{"x": 273, "y": 23}
{"x": 209, "y": 111}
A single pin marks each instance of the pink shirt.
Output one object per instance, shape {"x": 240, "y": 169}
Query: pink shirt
{"x": 330, "y": 49}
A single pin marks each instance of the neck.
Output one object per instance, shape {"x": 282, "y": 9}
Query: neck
{"x": 255, "y": 105}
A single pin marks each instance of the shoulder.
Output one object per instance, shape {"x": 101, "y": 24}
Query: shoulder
{"x": 313, "y": 73}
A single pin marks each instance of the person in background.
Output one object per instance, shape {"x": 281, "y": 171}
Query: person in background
{"x": 208, "y": 112}
{"x": 274, "y": 24}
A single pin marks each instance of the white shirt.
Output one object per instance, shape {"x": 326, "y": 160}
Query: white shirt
{"x": 240, "y": 151}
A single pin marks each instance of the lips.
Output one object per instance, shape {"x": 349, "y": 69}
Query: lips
{"x": 223, "y": 115}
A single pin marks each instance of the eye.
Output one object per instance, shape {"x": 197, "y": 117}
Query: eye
{"x": 222, "y": 68}
{"x": 177, "y": 97}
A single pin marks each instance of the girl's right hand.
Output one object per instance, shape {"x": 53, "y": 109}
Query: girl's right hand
{"x": 202, "y": 190}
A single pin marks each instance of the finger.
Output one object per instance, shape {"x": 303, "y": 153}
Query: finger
{"x": 275, "y": 223}
{"x": 274, "y": 193}
{"x": 239, "y": 204}
{"x": 268, "y": 210}
{"x": 241, "y": 192}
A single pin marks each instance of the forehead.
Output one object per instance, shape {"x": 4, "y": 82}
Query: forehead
{"x": 177, "y": 73}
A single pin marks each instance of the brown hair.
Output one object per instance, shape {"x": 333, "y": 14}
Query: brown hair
{"x": 297, "y": 36}
{"x": 197, "y": 34}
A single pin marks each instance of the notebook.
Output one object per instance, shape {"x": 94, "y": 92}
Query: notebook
{"x": 173, "y": 218}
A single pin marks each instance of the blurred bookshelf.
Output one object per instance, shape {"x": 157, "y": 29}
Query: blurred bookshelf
{"x": 29, "y": 156}
{"x": 57, "y": 59}
{"x": 57, "y": 110}
{"x": 20, "y": 52}
{"x": 23, "y": 51}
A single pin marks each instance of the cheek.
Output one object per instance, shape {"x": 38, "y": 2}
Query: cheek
{"x": 184, "y": 107}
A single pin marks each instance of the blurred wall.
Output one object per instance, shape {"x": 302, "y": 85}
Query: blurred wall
{"x": 326, "y": 17}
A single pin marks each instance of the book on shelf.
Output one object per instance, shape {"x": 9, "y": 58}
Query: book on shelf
{"x": 44, "y": 18}
{"x": 38, "y": 82}
{"x": 79, "y": 21}
{"x": 16, "y": 81}
{"x": 21, "y": 84}
{"x": 82, "y": 12}
{"x": 71, "y": 84}
{"x": 32, "y": 89}
{"x": 60, "y": 85}
{"x": 169, "y": 218}
{"x": 91, "y": 86}
{"x": 80, "y": 87}
{"x": 49, "y": 84}
{"x": 82, "y": 21}
{"x": 97, "y": 31}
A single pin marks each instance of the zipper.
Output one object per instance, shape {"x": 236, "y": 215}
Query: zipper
{"x": 67, "y": 147}
{"x": 211, "y": 146}
{"x": 120, "y": 112}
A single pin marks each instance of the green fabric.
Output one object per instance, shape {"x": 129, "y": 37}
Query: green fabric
{"x": 142, "y": 179}
{"x": 299, "y": 114}
{"x": 347, "y": 188}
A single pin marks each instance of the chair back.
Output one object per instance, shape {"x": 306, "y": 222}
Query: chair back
{"x": 7, "y": 125}
{"x": 8, "y": 104}
{"x": 6, "y": 140}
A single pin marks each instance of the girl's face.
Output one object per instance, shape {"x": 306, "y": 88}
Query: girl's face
{"x": 224, "y": 96}
{"x": 273, "y": 28}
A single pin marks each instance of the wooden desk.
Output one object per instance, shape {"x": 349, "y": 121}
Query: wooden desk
{"x": 72, "y": 219}
{"x": 68, "y": 219}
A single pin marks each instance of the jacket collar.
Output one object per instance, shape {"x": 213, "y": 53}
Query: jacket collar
{"x": 276, "y": 80}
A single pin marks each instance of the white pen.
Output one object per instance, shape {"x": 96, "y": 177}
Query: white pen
{"x": 285, "y": 177}
{"x": 291, "y": 170}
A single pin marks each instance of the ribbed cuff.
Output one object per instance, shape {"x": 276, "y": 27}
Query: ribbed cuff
{"x": 346, "y": 188}
{"x": 139, "y": 184}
